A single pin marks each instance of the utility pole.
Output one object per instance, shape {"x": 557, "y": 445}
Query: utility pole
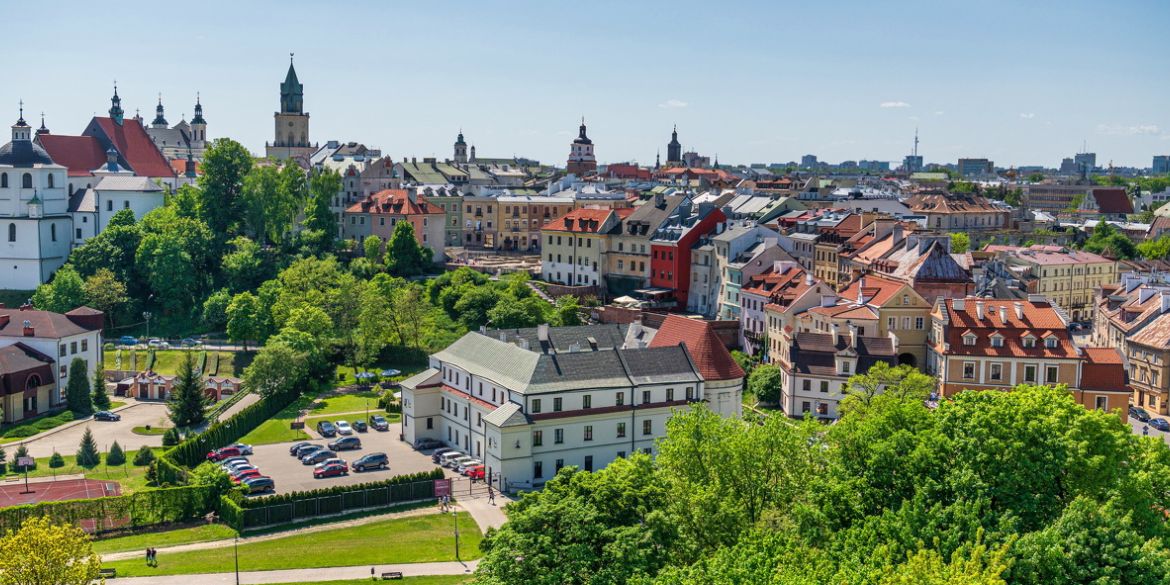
{"x": 455, "y": 517}
{"x": 236, "y": 548}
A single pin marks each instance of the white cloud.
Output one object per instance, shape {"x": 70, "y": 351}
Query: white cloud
{"x": 1122, "y": 130}
{"x": 1028, "y": 116}
{"x": 894, "y": 105}
{"x": 939, "y": 112}
{"x": 673, "y": 103}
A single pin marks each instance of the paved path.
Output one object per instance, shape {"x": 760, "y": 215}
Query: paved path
{"x": 248, "y": 400}
{"x": 65, "y": 438}
{"x": 305, "y": 575}
{"x": 487, "y": 515}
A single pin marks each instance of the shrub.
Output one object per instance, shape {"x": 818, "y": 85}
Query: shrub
{"x": 171, "y": 437}
{"x": 56, "y": 460}
{"x": 116, "y": 456}
{"x": 87, "y": 451}
{"x": 144, "y": 456}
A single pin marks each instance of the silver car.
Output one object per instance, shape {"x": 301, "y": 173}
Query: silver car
{"x": 455, "y": 463}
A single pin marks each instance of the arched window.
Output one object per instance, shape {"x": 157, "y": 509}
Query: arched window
{"x": 3, "y": 180}
{"x": 50, "y": 180}
{"x": 26, "y": 181}
{"x": 11, "y": 232}
{"x": 33, "y": 382}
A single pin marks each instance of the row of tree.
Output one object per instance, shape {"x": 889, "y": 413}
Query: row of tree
{"x": 1024, "y": 487}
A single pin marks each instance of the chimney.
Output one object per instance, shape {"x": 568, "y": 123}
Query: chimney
{"x": 1003, "y": 314}
{"x": 592, "y": 343}
{"x": 897, "y": 233}
{"x": 574, "y": 347}
{"x": 836, "y": 333}
{"x": 26, "y": 307}
{"x": 959, "y": 304}
{"x": 979, "y": 310}
{"x": 28, "y": 329}
{"x": 828, "y": 300}
{"x": 1020, "y": 309}
{"x": 542, "y": 332}
{"x": 483, "y": 329}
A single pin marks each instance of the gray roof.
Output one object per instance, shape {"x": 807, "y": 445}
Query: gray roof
{"x": 424, "y": 377}
{"x": 578, "y": 371}
{"x": 83, "y": 200}
{"x": 503, "y": 363}
{"x": 127, "y": 183}
{"x": 659, "y": 365}
{"x": 560, "y": 338}
{"x": 507, "y": 415}
{"x": 650, "y": 215}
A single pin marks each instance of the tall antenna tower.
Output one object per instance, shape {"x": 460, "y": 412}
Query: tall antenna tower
{"x": 915, "y": 141}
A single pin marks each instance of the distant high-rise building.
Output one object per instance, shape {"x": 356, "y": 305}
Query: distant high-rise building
{"x": 1085, "y": 161}
{"x": 975, "y": 167}
{"x": 913, "y": 162}
{"x": 1068, "y": 166}
{"x": 1161, "y": 165}
{"x": 808, "y": 161}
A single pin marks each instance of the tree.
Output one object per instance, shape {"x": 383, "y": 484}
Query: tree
{"x": 44, "y": 553}
{"x": 170, "y": 437}
{"x": 568, "y": 311}
{"x": 215, "y": 309}
{"x": 100, "y": 398}
{"x": 510, "y": 313}
{"x": 320, "y": 225}
{"x": 21, "y": 453}
{"x": 764, "y": 383}
{"x": 188, "y": 404}
{"x": 56, "y": 461}
{"x": 210, "y": 474}
{"x": 225, "y": 165}
{"x": 63, "y": 294}
{"x": 116, "y": 457}
{"x": 1107, "y": 240}
{"x": 87, "y": 451}
{"x": 243, "y": 318}
{"x": 105, "y": 292}
{"x": 244, "y": 267}
{"x": 960, "y": 243}
{"x": 170, "y": 269}
{"x": 473, "y": 307}
{"x": 404, "y": 255}
{"x": 77, "y": 392}
{"x": 277, "y": 369}
{"x": 1155, "y": 249}
{"x": 144, "y": 456}
{"x": 903, "y": 381}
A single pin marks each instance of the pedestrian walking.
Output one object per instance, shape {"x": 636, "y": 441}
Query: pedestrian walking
{"x": 148, "y": 556}
{"x": 1146, "y": 430}
{"x": 491, "y": 496}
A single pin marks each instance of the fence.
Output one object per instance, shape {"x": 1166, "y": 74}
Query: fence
{"x": 97, "y": 515}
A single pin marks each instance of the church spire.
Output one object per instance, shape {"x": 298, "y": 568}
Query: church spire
{"x": 292, "y": 93}
{"x": 116, "y": 111}
{"x": 20, "y": 130}
{"x": 198, "y": 119}
{"x": 43, "y": 129}
{"x": 160, "y": 121}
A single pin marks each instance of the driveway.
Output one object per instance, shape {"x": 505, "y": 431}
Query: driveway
{"x": 291, "y": 475}
{"x": 66, "y": 440}
{"x": 1137, "y": 429}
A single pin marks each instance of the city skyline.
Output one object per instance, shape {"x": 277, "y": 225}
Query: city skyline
{"x": 1018, "y": 85}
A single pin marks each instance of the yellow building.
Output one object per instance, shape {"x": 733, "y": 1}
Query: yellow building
{"x": 1068, "y": 278}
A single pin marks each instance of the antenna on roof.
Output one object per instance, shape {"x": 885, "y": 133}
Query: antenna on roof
{"x": 916, "y": 141}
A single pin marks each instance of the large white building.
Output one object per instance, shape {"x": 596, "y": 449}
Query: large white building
{"x": 528, "y": 402}
{"x": 36, "y": 350}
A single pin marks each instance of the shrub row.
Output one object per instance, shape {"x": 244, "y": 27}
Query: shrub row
{"x": 193, "y": 450}
{"x": 339, "y": 489}
{"x": 145, "y": 508}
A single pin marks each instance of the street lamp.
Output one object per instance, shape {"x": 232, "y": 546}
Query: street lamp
{"x": 455, "y": 517}
{"x": 146, "y": 315}
{"x": 236, "y": 547}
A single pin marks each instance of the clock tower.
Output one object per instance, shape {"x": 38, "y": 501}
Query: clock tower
{"x": 292, "y": 121}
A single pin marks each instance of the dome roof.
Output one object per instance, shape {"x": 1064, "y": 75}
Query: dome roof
{"x": 23, "y": 153}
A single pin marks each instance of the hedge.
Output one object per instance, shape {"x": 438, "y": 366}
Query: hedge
{"x": 201, "y": 362}
{"x": 245, "y": 513}
{"x": 193, "y": 450}
{"x": 145, "y": 508}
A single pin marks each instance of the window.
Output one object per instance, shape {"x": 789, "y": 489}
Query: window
{"x": 919, "y": 323}
{"x": 1029, "y": 341}
{"x": 1050, "y": 342}
{"x": 690, "y": 393}
{"x": 968, "y": 371}
{"x": 905, "y": 299}
{"x": 996, "y": 371}
{"x": 430, "y": 423}
{"x": 84, "y": 345}
{"x": 64, "y": 350}
{"x": 620, "y": 399}
{"x": 558, "y": 436}
{"x": 621, "y": 430}
{"x": 1029, "y": 373}
{"x": 621, "y": 454}
{"x": 26, "y": 181}
{"x": 73, "y": 348}
{"x": 537, "y": 438}
{"x": 647, "y": 427}
{"x": 1102, "y": 402}
{"x": 557, "y": 404}
{"x": 892, "y": 323}
{"x": 806, "y": 385}
{"x": 824, "y": 386}
{"x": 3, "y": 180}
{"x": 645, "y": 397}
{"x": 537, "y": 469}
{"x": 805, "y": 406}
{"x": 968, "y": 340}
{"x": 535, "y": 405}
{"x": 588, "y": 432}
{"x": 11, "y": 232}
{"x": 53, "y": 232}
{"x": 587, "y": 401}
{"x": 996, "y": 341}
{"x": 110, "y": 207}
{"x": 844, "y": 367}
{"x": 670, "y": 394}
{"x": 588, "y": 463}
{"x": 1051, "y": 373}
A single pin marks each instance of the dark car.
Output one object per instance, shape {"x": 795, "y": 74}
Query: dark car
{"x": 346, "y": 444}
{"x": 306, "y": 449}
{"x": 424, "y": 444}
{"x": 379, "y": 422}
{"x": 317, "y": 456}
{"x": 1139, "y": 413}
{"x": 259, "y": 484}
{"x": 292, "y": 450}
{"x": 371, "y": 461}
{"x": 438, "y": 454}
{"x": 326, "y": 429}
{"x": 360, "y": 426}
{"x": 107, "y": 415}
{"x": 1160, "y": 424}
{"x": 331, "y": 470}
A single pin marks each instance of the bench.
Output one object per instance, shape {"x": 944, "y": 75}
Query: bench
{"x": 108, "y": 573}
{"x": 391, "y": 575}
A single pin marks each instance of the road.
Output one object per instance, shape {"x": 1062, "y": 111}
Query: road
{"x": 306, "y": 575}
{"x": 1137, "y": 429}
{"x": 66, "y": 438}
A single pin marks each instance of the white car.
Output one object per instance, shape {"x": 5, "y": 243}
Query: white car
{"x": 330, "y": 461}
{"x": 343, "y": 428}
{"x": 455, "y": 463}
{"x": 447, "y": 458}
{"x": 462, "y": 468}
{"x": 226, "y": 463}
{"x": 238, "y": 467}
{"x": 244, "y": 449}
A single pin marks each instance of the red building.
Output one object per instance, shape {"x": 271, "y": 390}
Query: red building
{"x": 670, "y": 247}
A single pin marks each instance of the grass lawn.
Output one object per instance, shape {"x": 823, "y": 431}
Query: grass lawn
{"x": 276, "y": 429}
{"x": 153, "y": 430}
{"x": 428, "y": 580}
{"x": 392, "y": 417}
{"x": 417, "y": 539}
{"x": 201, "y": 533}
{"x": 331, "y": 402}
{"x": 131, "y": 477}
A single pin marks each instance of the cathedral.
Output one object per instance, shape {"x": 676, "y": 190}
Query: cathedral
{"x": 581, "y": 159}
{"x": 183, "y": 140}
{"x": 292, "y": 121}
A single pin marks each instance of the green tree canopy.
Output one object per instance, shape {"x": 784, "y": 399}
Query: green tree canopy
{"x": 187, "y": 404}
{"x": 77, "y": 393}
{"x": 45, "y": 553}
{"x": 63, "y": 294}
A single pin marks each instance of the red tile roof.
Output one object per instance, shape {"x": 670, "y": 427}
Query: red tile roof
{"x": 80, "y": 154}
{"x": 1103, "y": 370}
{"x": 876, "y": 290}
{"x": 582, "y": 221}
{"x": 45, "y": 324}
{"x": 179, "y": 165}
{"x": 1112, "y": 200}
{"x": 1040, "y": 320}
{"x": 395, "y": 202}
{"x": 706, "y": 350}
{"x": 135, "y": 146}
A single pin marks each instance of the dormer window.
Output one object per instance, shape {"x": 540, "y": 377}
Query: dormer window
{"x": 1029, "y": 341}
{"x": 1050, "y": 342}
{"x": 997, "y": 340}
{"x": 969, "y": 339}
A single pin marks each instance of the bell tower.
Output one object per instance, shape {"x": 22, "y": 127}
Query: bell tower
{"x": 292, "y": 122}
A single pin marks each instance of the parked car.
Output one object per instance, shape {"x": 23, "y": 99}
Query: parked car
{"x": 331, "y": 462}
{"x": 450, "y": 456}
{"x": 379, "y": 422}
{"x": 107, "y": 416}
{"x": 188, "y": 342}
{"x": 292, "y": 449}
{"x": 244, "y": 448}
{"x": 243, "y": 470}
{"x": 1160, "y": 424}
{"x": 454, "y": 462}
{"x": 463, "y": 467}
{"x": 437, "y": 456}
{"x": 331, "y": 470}
{"x": 371, "y": 461}
{"x": 326, "y": 429}
{"x": 343, "y": 428}
{"x": 424, "y": 444}
{"x": 157, "y": 343}
{"x": 224, "y": 453}
{"x": 476, "y": 472}
{"x": 346, "y": 444}
{"x": 237, "y": 466}
{"x": 306, "y": 449}
{"x": 360, "y": 426}
{"x": 240, "y": 476}
{"x": 259, "y": 484}
{"x": 1139, "y": 413}
{"x": 317, "y": 456}
{"x": 226, "y": 463}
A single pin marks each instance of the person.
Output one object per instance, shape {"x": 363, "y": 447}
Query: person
{"x": 148, "y": 556}
{"x": 491, "y": 495}
{"x": 1146, "y": 430}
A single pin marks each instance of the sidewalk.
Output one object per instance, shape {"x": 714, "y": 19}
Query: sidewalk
{"x": 486, "y": 515}
{"x": 306, "y": 575}
{"x": 130, "y": 403}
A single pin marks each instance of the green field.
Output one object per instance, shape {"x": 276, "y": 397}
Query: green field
{"x": 276, "y": 429}
{"x": 417, "y": 539}
{"x": 332, "y": 402}
{"x": 131, "y": 477}
{"x": 201, "y": 533}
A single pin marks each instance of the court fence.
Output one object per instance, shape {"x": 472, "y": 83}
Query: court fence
{"x": 105, "y": 514}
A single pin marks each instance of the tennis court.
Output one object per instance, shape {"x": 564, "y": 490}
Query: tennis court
{"x": 48, "y": 491}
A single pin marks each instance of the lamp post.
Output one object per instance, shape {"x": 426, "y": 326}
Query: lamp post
{"x": 236, "y": 550}
{"x": 147, "y": 315}
{"x": 455, "y": 517}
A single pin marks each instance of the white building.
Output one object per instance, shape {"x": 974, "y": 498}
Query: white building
{"x": 76, "y": 334}
{"x": 528, "y": 402}
{"x": 93, "y": 208}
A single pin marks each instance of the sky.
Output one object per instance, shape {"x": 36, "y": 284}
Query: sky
{"x": 1021, "y": 83}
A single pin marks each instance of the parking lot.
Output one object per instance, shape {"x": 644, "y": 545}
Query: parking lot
{"x": 291, "y": 475}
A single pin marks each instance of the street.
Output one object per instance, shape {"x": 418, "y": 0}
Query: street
{"x": 1137, "y": 429}
{"x": 66, "y": 440}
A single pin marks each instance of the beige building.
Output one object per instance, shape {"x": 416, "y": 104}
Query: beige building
{"x": 1068, "y": 278}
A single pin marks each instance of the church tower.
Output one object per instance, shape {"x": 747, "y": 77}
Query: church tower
{"x": 460, "y": 149}
{"x": 292, "y": 122}
{"x": 674, "y": 149}
{"x": 198, "y": 126}
{"x": 116, "y": 107}
{"x": 160, "y": 121}
{"x": 581, "y": 158}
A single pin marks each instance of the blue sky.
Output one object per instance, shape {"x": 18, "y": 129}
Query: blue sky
{"x": 1021, "y": 83}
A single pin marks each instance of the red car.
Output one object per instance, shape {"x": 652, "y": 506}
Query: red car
{"x": 224, "y": 453}
{"x": 476, "y": 472}
{"x": 331, "y": 470}
{"x": 247, "y": 473}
